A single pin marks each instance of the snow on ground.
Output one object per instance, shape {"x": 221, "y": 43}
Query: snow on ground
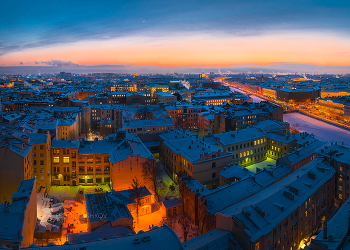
{"x": 146, "y": 221}
{"x": 264, "y": 164}
{"x": 319, "y": 128}
{"x": 176, "y": 224}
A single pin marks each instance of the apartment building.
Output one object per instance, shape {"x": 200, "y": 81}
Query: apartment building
{"x": 115, "y": 161}
{"x": 285, "y": 214}
{"x": 338, "y": 156}
{"x": 16, "y": 164}
{"x": 185, "y": 115}
{"x": 248, "y": 146}
{"x": 183, "y": 151}
{"x": 18, "y": 218}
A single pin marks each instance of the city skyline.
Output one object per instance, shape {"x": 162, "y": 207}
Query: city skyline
{"x": 284, "y": 36}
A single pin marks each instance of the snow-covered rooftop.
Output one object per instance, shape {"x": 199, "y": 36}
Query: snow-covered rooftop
{"x": 270, "y": 206}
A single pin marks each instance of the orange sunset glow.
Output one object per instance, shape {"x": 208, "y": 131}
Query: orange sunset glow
{"x": 195, "y": 51}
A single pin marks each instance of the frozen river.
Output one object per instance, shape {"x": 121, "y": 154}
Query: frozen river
{"x": 305, "y": 123}
{"x": 320, "y": 129}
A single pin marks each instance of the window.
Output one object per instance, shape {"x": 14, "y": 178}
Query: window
{"x": 107, "y": 179}
{"x": 81, "y": 169}
{"x": 90, "y": 168}
{"x": 213, "y": 165}
{"x": 106, "y": 169}
{"x": 98, "y": 180}
{"x": 41, "y": 154}
{"x": 257, "y": 246}
{"x": 74, "y": 164}
{"x": 213, "y": 175}
{"x": 41, "y": 163}
{"x": 66, "y": 159}
{"x": 82, "y": 180}
{"x": 90, "y": 159}
{"x": 34, "y": 170}
{"x": 90, "y": 180}
{"x": 42, "y": 178}
{"x": 41, "y": 147}
{"x": 98, "y": 169}
{"x": 98, "y": 159}
{"x": 74, "y": 154}
{"x": 56, "y": 159}
{"x": 106, "y": 159}
{"x": 81, "y": 160}
{"x": 34, "y": 162}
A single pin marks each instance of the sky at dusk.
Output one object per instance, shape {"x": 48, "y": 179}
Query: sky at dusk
{"x": 169, "y": 35}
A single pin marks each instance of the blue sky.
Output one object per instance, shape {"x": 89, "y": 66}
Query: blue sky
{"x": 35, "y": 26}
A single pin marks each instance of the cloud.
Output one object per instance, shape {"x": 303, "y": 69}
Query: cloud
{"x": 36, "y": 62}
{"x": 58, "y": 63}
{"x": 21, "y": 63}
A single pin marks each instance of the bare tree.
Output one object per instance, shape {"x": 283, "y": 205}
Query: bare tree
{"x": 136, "y": 194}
{"x": 151, "y": 171}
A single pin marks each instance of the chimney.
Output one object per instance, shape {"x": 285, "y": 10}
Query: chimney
{"x": 16, "y": 245}
{"x": 325, "y": 230}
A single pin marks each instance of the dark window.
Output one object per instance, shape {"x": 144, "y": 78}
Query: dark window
{"x": 213, "y": 165}
{"x": 41, "y": 147}
{"x": 107, "y": 179}
{"x": 213, "y": 175}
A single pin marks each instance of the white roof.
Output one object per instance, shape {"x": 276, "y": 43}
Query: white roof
{"x": 156, "y": 239}
{"x": 272, "y": 201}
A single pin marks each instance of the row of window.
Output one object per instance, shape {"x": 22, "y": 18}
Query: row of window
{"x": 65, "y": 152}
{"x": 82, "y": 169}
{"x": 248, "y": 144}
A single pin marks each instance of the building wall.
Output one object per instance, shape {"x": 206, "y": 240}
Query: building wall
{"x": 300, "y": 224}
{"x": 276, "y": 149}
{"x": 30, "y": 218}
{"x": 248, "y": 152}
{"x": 13, "y": 169}
{"x": 42, "y": 164}
{"x": 124, "y": 171}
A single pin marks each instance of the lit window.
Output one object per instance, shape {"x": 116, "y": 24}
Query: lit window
{"x": 56, "y": 160}
{"x": 257, "y": 247}
{"x": 65, "y": 159}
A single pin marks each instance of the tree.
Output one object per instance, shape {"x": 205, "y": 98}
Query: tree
{"x": 136, "y": 190}
{"x": 151, "y": 171}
